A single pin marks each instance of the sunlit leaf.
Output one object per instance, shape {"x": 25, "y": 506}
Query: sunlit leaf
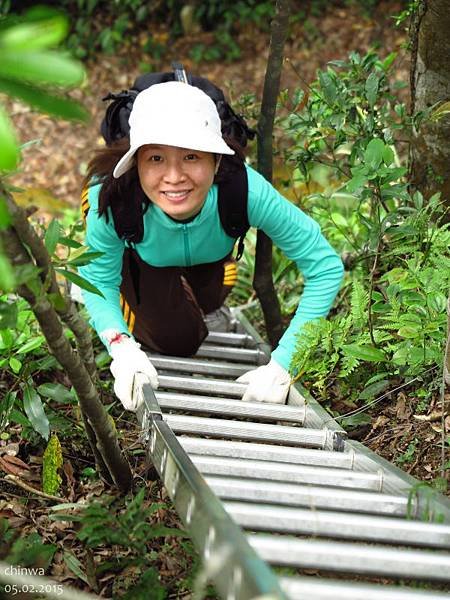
{"x": 35, "y": 35}
{"x": 31, "y": 345}
{"x": 15, "y": 364}
{"x": 9, "y": 155}
{"x": 43, "y": 101}
{"x": 50, "y": 68}
{"x": 5, "y": 217}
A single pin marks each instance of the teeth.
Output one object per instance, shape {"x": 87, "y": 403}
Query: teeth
{"x": 175, "y": 194}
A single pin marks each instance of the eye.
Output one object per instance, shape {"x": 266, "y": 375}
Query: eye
{"x": 191, "y": 157}
{"x": 154, "y": 158}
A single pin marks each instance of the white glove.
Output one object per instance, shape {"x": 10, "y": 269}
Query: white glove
{"x": 129, "y": 359}
{"x": 269, "y": 383}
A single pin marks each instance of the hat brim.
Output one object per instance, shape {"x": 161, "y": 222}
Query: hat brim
{"x": 212, "y": 144}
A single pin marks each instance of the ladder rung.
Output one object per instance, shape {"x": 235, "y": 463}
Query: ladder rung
{"x": 314, "y": 497}
{"x": 298, "y": 436}
{"x": 274, "y": 471}
{"x": 309, "y": 588}
{"x": 242, "y": 340}
{"x": 203, "y": 386}
{"x": 322, "y": 523}
{"x": 235, "y": 449}
{"x": 203, "y": 367}
{"x": 236, "y": 408}
{"x": 352, "y": 558}
{"x": 243, "y": 355}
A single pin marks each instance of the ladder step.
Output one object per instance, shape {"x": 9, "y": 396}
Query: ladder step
{"x": 285, "y": 434}
{"x": 274, "y": 471}
{"x": 309, "y": 588}
{"x": 236, "y": 408}
{"x": 235, "y": 449}
{"x": 243, "y": 340}
{"x": 352, "y": 558}
{"x": 336, "y": 524}
{"x": 203, "y": 386}
{"x": 242, "y": 355}
{"x": 309, "y": 496}
{"x": 192, "y": 365}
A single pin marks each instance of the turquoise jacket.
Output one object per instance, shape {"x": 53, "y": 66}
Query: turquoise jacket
{"x": 168, "y": 243}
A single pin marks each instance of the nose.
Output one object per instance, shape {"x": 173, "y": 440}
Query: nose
{"x": 174, "y": 172}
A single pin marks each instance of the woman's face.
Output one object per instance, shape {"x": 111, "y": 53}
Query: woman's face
{"x": 175, "y": 179}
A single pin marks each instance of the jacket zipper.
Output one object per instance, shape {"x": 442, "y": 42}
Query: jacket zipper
{"x": 187, "y": 253}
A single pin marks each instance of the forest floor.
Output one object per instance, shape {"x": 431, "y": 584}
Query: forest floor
{"x": 51, "y": 175}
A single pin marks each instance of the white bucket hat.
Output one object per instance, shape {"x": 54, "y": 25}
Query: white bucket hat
{"x": 173, "y": 114}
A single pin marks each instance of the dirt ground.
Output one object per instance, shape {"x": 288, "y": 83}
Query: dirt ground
{"x": 54, "y": 164}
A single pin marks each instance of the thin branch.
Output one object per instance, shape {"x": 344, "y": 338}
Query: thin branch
{"x": 28, "y": 488}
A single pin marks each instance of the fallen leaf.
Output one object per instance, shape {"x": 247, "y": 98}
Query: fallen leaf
{"x": 8, "y": 464}
{"x": 10, "y": 449}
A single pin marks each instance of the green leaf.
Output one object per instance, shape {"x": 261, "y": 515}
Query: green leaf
{"x": 80, "y": 281}
{"x": 32, "y": 551}
{"x": 84, "y": 259}
{"x": 388, "y": 156}
{"x": 67, "y": 241}
{"x": 7, "y": 279}
{"x": 328, "y": 87}
{"x": 74, "y": 565}
{"x": 35, "y": 35}
{"x": 5, "y": 217}
{"x": 52, "y": 236}
{"x": 31, "y": 345}
{"x": 49, "y": 68}
{"x": 8, "y": 315}
{"x": 361, "y": 418}
{"x": 387, "y": 62}
{"x": 57, "y": 301}
{"x": 374, "y": 389}
{"x": 43, "y": 101}
{"x": 408, "y": 332}
{"x": 34, "y": 409}
{"x": 372, "y": 89}
{"x": 57, "y": 392}
{"x": 364, "y": 352}
{"x": 374, "y": 153}
{"x": 9, "y": 155}
{"x": 15, "y": 364}
{"x": 356, "y": 183}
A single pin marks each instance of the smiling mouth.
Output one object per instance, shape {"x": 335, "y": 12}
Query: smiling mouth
{"x": 176, "y": 195}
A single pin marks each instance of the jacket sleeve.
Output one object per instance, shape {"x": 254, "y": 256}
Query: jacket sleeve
{"x": 105, "y": 272}
{"x": 299, "y": 237}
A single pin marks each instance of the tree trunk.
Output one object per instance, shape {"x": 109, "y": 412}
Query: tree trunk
{"x": 430, "y": 84}
{"x": 100, "y": 430}
{"x": 447, "y": 349}
{"x": 262, "y": 281}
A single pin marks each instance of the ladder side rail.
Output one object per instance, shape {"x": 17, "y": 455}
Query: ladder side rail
{"x": 229, "y": 560}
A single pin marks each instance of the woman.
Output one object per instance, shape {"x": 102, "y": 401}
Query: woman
{"x": 183, "y": 261}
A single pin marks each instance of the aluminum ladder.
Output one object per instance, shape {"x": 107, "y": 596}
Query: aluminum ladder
{"x": 263, "y": 486}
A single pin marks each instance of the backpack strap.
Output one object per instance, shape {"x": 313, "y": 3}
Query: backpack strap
{"x": 232, "y": 205}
